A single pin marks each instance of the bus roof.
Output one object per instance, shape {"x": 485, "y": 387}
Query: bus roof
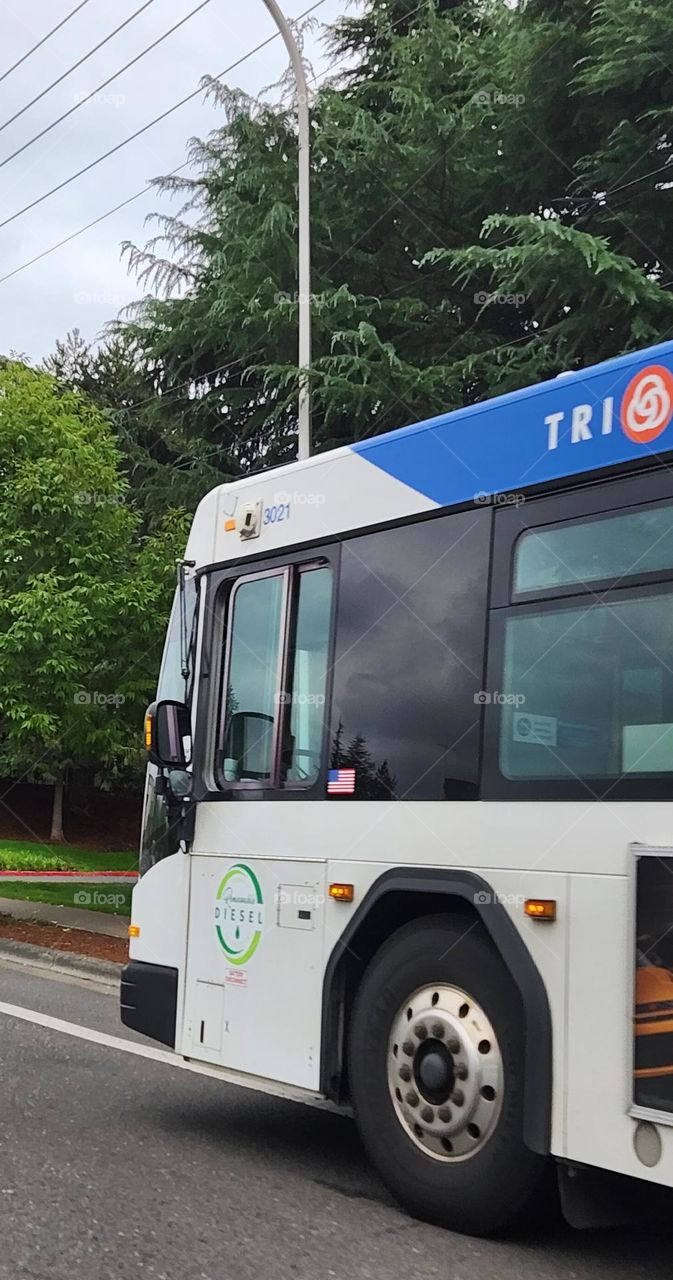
{"x": 608, "y": 415}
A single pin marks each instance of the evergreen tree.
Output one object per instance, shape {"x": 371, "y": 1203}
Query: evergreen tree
{"x": 490, "y": 207}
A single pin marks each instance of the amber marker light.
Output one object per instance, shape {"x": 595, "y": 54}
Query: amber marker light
{"x": 148, "y": 732}
{"x": 342, "y": 892}
{"x": 134, "y": 931}
{"x": 540, "y": 908}
{"x": 230, "y": 526}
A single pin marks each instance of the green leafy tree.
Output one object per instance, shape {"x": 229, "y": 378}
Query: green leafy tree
{"x": 83, "y": 600}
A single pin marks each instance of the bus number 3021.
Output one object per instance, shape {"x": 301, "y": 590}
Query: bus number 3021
{"x": 277, "y": 513}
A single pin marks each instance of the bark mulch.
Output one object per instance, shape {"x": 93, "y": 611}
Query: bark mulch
{"x": 75, "y": 941}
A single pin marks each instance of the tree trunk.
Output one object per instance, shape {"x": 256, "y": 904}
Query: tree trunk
{"x": 57, "y": 810}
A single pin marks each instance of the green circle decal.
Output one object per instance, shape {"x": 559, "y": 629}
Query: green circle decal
{"x": 239, "y": 914}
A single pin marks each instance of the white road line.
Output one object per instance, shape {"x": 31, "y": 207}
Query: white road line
{"x": 257, "y": 1083}
{"x": 87, "y": 1033}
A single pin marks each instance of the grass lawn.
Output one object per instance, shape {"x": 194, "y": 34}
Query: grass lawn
{"x": 22, "y": 855}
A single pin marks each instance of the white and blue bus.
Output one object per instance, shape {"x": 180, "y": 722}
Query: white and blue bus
{"x": 408, "y": 829}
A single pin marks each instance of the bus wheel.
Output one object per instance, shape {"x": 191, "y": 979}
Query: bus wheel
{"x": 436, "y": 1073}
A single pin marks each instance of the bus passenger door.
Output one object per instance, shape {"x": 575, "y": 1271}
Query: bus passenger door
{"x": 254, "y": 977}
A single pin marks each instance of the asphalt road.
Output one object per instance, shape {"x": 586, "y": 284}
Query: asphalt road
{"x": 113, "y": 1165}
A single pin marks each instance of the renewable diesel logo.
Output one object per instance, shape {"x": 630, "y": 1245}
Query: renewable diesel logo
{"x": 239, "y": 914}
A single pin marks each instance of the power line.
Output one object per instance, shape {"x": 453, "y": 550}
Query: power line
{"x": 74, "y": 66}
{"x": 144, "y": 190}
{"x": 138, "y": 133}
{"x": 44, "y": 39}
{"x": 194, "y": 380}
{"x": 94, "y": 223}
{"x": 104, "y": 85}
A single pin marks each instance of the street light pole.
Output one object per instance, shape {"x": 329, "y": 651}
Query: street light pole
{"x": 304, "y": 218}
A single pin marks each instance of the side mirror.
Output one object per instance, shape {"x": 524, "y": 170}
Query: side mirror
{"x": 168, "y": 734}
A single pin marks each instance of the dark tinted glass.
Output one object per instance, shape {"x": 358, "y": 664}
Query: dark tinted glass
{"x": 409, "y": 658}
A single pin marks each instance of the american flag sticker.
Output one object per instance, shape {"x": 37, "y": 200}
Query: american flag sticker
{"x": 341, "y": 782}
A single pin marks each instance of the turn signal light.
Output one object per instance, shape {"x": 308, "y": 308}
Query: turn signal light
{"x": 148, "y": 732}
{"x": 134, "y": 931}
{"x": 342, "y": 892}
{"x": 540, "y": 908}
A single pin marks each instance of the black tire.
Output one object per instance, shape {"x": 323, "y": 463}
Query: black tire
{"x": 486, "y": 1191}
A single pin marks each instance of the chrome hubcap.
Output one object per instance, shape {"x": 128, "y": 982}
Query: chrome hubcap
{"x": 445, "y": 1072}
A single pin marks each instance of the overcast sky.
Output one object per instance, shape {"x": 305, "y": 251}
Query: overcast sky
{"x": 84, "y": 284}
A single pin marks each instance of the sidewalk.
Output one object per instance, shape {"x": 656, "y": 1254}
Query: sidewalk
{"x": 66, "y": 917}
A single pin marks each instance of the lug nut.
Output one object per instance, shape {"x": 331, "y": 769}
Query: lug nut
{"x": 445, "y": 1115}
{"x": 438, "y": 1030}
{"x": 420, "y": 1031}
{"x": 461, "y": 1071}
{"x": 405, "y": 1073}
{"x": 458, "y": 1097}
{"x": 427, "y": 1114}
{"x": 453, "y": 1045}
{"x": 409, "y": 1048}
{"x": 412, "y": 1098}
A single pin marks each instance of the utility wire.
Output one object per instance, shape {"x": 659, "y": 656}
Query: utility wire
{"x": 44, "y": 39}
{"x": 74, "y": 66}
{"x": 104, "y": 85}
{"x": 194, "y": 380}
{"x": 138, "y": 133}
{"x": 94, "y": 223}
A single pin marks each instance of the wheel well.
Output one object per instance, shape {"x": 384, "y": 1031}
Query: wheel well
{"x": 398, "y": 897}
{"x": 394, "y": 909}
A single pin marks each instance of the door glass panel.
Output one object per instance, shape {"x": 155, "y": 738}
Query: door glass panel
{"x": 307, "y": 693}
{"x": 251, "y": 706}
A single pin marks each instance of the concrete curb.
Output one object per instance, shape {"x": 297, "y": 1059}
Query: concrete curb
{"x": 28, "y": 954}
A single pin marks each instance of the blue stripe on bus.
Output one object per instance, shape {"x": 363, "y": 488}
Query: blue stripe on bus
{"x": 503, "y": 445}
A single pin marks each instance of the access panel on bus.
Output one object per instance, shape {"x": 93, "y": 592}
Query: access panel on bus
{"x": 254, "y": 974}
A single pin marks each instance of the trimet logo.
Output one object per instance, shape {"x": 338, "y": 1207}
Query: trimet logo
{"x": 239, "y": 914}
{"x": 646, "y": 410}
{"x": 647, "y": 406}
